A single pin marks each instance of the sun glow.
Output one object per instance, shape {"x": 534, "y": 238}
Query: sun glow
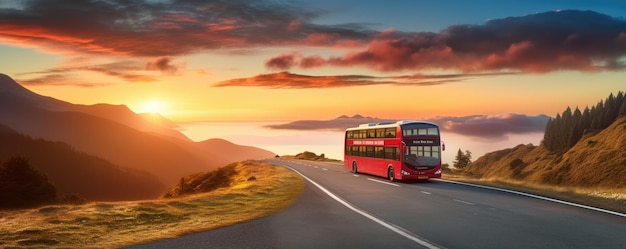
{"x": 154, "y": 107}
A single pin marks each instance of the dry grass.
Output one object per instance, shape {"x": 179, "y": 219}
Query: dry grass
{"x": 118, "y": 224}
{"x": 609, "y": 199}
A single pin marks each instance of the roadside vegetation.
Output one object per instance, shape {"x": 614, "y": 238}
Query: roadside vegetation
{"x": 307, "y": 155}
{"x": 255, "y": 189}
{"x": 609, "y": 199}
{"x": 581, "y": 159}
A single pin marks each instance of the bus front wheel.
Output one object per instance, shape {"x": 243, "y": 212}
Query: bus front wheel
{"x": 390, "y": 175}
{"x": 354, "y": 169}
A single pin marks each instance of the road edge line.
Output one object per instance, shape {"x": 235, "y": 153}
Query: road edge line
{"x": 397, "y": 229}
{"x": 537, "y": 197}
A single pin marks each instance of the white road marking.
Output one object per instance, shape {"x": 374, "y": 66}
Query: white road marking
{"x": 379, "y": 181}
{"x": 538, "y": 197}
{"x": 355, "y": 175}
{"x": 324, "y": 169}
{"x": 393, "y": 227}
{"x": 464, "y": 202}
{"x": 424, "y": 192}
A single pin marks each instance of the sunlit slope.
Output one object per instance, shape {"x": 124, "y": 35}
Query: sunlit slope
{"x": 596, "y": 161}
{"x": 116, "y": 134}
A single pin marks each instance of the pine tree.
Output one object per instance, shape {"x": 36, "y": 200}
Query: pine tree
{"x": 622, "y": 109}
{"x": 462, "y": 159}
{"x": 23, "y": 186}
{"x": 577, "y": 129}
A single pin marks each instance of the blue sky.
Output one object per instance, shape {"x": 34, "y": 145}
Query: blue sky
{"x": 434, "y": 16}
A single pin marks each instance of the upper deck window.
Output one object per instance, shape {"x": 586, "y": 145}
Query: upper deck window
{"x": 419, "y": 130}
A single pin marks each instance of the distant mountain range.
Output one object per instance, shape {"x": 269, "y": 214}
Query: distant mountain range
{"x": 126, "y": 140}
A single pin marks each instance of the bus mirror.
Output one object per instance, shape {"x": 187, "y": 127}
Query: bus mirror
{"x": 443, "y": 146}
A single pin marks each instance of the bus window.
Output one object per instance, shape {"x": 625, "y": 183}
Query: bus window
{"x": 362, "y": 151}
{"x": 371, "y": 133}
{"x": 380, "y": 133}
{"x": 370, "y": 151}
{"x": 390, "y": 132}
{"x": 379, "y": 152}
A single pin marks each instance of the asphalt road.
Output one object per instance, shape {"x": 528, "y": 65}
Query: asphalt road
{"x": 341, "y": 210}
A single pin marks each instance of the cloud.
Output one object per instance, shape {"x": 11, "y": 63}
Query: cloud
{"x": 338, "y": 124}
{"x": 168, "y": 28}
{"x": 540, "y": 43}
{"x": 163, "y": 64}
{"x": 127, "y": 70}
{"x": 492, "y": 126}
{"x": 484, "y": 127}
{"x": 299, "y": 81}
{"x": 56, "y": 80}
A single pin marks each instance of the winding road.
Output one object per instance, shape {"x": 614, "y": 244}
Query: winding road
{"x": 339, "y": 209}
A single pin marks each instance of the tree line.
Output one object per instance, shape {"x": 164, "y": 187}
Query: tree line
{"x": 567, "y": 128}
{"x": 23, "y": 186}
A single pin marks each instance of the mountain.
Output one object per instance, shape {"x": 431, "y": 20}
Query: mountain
{"x": 74, "y": 172}
{"x": 597, "y": 160}
{"x": 339, "y": 124}
{"x": 111, "y": 132}
{"x": 235, "y": 152}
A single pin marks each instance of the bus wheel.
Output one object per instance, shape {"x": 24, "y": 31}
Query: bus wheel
{"x": 354, "y": 169}
{"x": 390, "y": 175}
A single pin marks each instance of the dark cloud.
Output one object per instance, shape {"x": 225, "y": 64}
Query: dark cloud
{"x": 163, "y": 64}
{"x": 539, "y": 43}
{"x": 486, "y": 127}
{"x": 168, "y": 28}
{"x": 298, "y": 81}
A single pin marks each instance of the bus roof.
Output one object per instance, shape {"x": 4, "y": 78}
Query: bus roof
{"x": 388, "y": 124}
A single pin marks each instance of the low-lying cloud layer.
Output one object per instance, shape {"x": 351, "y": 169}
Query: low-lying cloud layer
{"x": 486, "y": 127}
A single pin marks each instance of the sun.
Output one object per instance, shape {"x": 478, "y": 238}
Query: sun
{"x": 154, "y": 107}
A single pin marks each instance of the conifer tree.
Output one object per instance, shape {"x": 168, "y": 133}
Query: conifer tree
{"x": 23, "y": 186}
{"x": 462, "y": 159}
{"x": 567, "y": 128}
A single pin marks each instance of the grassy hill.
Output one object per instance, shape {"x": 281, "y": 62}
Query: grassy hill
{"x": 121, "y": 224}
{"x": 596, "y": 162}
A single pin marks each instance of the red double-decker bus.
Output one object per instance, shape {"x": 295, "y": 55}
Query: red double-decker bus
{"x": 401, "y": 150}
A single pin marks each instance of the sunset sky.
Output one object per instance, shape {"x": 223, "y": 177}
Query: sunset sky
{"x": 199, "y": 61}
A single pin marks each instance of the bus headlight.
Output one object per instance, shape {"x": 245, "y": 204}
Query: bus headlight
{"x": 438, "y": 172}
{"x": 404, "y": 173}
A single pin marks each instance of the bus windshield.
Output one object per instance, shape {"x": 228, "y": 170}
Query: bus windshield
{"x": 421, "y": 148}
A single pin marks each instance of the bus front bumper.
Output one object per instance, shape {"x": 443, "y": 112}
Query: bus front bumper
{"x": 420, "y": 175}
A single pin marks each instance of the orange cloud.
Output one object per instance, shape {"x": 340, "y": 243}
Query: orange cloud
{"x": 298, "y": 81}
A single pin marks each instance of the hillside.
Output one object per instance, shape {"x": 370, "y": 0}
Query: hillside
{"x": 73, "y": 172}
{"x": 115, "y": 134}
{"x": 235, "y": 152}
{"x": 595, "y": 161}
